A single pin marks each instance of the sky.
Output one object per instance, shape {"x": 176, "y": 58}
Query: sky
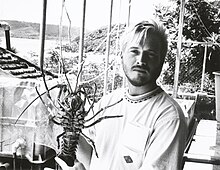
{"x": 97, "y": 11}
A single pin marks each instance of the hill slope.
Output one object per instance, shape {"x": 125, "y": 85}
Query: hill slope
{"x": 21, "y": 29}
{"x": 95, "y": 41}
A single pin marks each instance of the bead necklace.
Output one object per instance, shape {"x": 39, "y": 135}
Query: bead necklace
{"x": 152, "y": 94}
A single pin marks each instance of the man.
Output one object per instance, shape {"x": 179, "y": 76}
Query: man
{"x": 151, "y": 134}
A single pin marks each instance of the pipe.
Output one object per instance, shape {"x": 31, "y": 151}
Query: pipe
{"x": 42, "y": 39}
{"x": 19, "y": 143}
{"x": 42, "y": 33}
{"x": 6, "y": 27}
{"x": 179, "y": 46}
{"x": 203, "y": 68}
{"x": 129, "y": 13}
{"x": 81, "y": 43}
{"x": 108, "y": 49}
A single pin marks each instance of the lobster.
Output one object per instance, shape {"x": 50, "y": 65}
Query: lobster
{"x": 71, "y": 116}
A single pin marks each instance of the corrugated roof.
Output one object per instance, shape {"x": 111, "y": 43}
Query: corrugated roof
{"x": 16, "y": 66}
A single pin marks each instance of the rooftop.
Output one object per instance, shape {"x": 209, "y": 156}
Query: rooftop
{"x": 14, "y": 66}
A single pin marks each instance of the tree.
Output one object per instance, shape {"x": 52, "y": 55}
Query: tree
{"x": 201, "y": 23}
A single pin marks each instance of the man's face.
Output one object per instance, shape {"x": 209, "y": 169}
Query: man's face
{"x": 142, "y": 64}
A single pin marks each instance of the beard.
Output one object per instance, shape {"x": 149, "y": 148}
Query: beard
{"x": 139, "y": 79}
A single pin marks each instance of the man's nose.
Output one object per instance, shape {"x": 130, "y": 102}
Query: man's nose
{"x": 141, "y": 60}
{"x": 142, "y": 57}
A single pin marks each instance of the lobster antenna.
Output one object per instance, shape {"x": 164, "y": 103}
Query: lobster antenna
{"x": 93, "y": 100}
{"x": 68, "y": 82}
{"x": 78, "y": 75}
{"x": 61, "y": 61}
{"x": 33, "y": 102}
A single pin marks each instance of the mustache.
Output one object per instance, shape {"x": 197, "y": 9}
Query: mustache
{"x": 140, "y": 65}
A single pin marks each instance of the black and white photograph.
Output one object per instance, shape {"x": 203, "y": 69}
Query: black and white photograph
{"x": 110, "y": 85}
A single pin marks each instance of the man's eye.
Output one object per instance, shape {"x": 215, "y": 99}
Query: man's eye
{"x": 134, "y": 51}
{"x": 152, "y": 54}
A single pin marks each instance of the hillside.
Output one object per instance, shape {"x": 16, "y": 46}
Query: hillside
{"x": 95, "y": 41}
{"x": 21, "y": 29}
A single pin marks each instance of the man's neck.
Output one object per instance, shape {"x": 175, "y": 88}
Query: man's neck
{"x": 138, "y": 90}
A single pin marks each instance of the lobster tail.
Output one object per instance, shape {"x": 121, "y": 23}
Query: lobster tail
{"x": 68, "y": 148}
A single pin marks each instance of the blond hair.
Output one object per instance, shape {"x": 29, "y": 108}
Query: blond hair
{"x": 139, "y": 34}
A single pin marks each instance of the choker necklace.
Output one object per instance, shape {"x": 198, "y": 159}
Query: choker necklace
{"x": 144, "y": 96}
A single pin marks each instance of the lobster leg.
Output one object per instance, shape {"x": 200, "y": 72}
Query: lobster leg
{"x": 102, "y": 118}
{"x": 58, "y": 139}
{"x": 92, "y": 142}
{"x": 102, "y": 109}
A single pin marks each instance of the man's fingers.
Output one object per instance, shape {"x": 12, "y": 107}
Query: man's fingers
{"x": 61, "y": 163}
{"x": 79, "y": 165}
{"x": 64, "y": 166}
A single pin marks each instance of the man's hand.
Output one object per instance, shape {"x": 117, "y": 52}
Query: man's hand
{"x": 64, "y": 166}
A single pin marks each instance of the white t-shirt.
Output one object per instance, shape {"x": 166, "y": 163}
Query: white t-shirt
{"x": 150, "y": 135}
